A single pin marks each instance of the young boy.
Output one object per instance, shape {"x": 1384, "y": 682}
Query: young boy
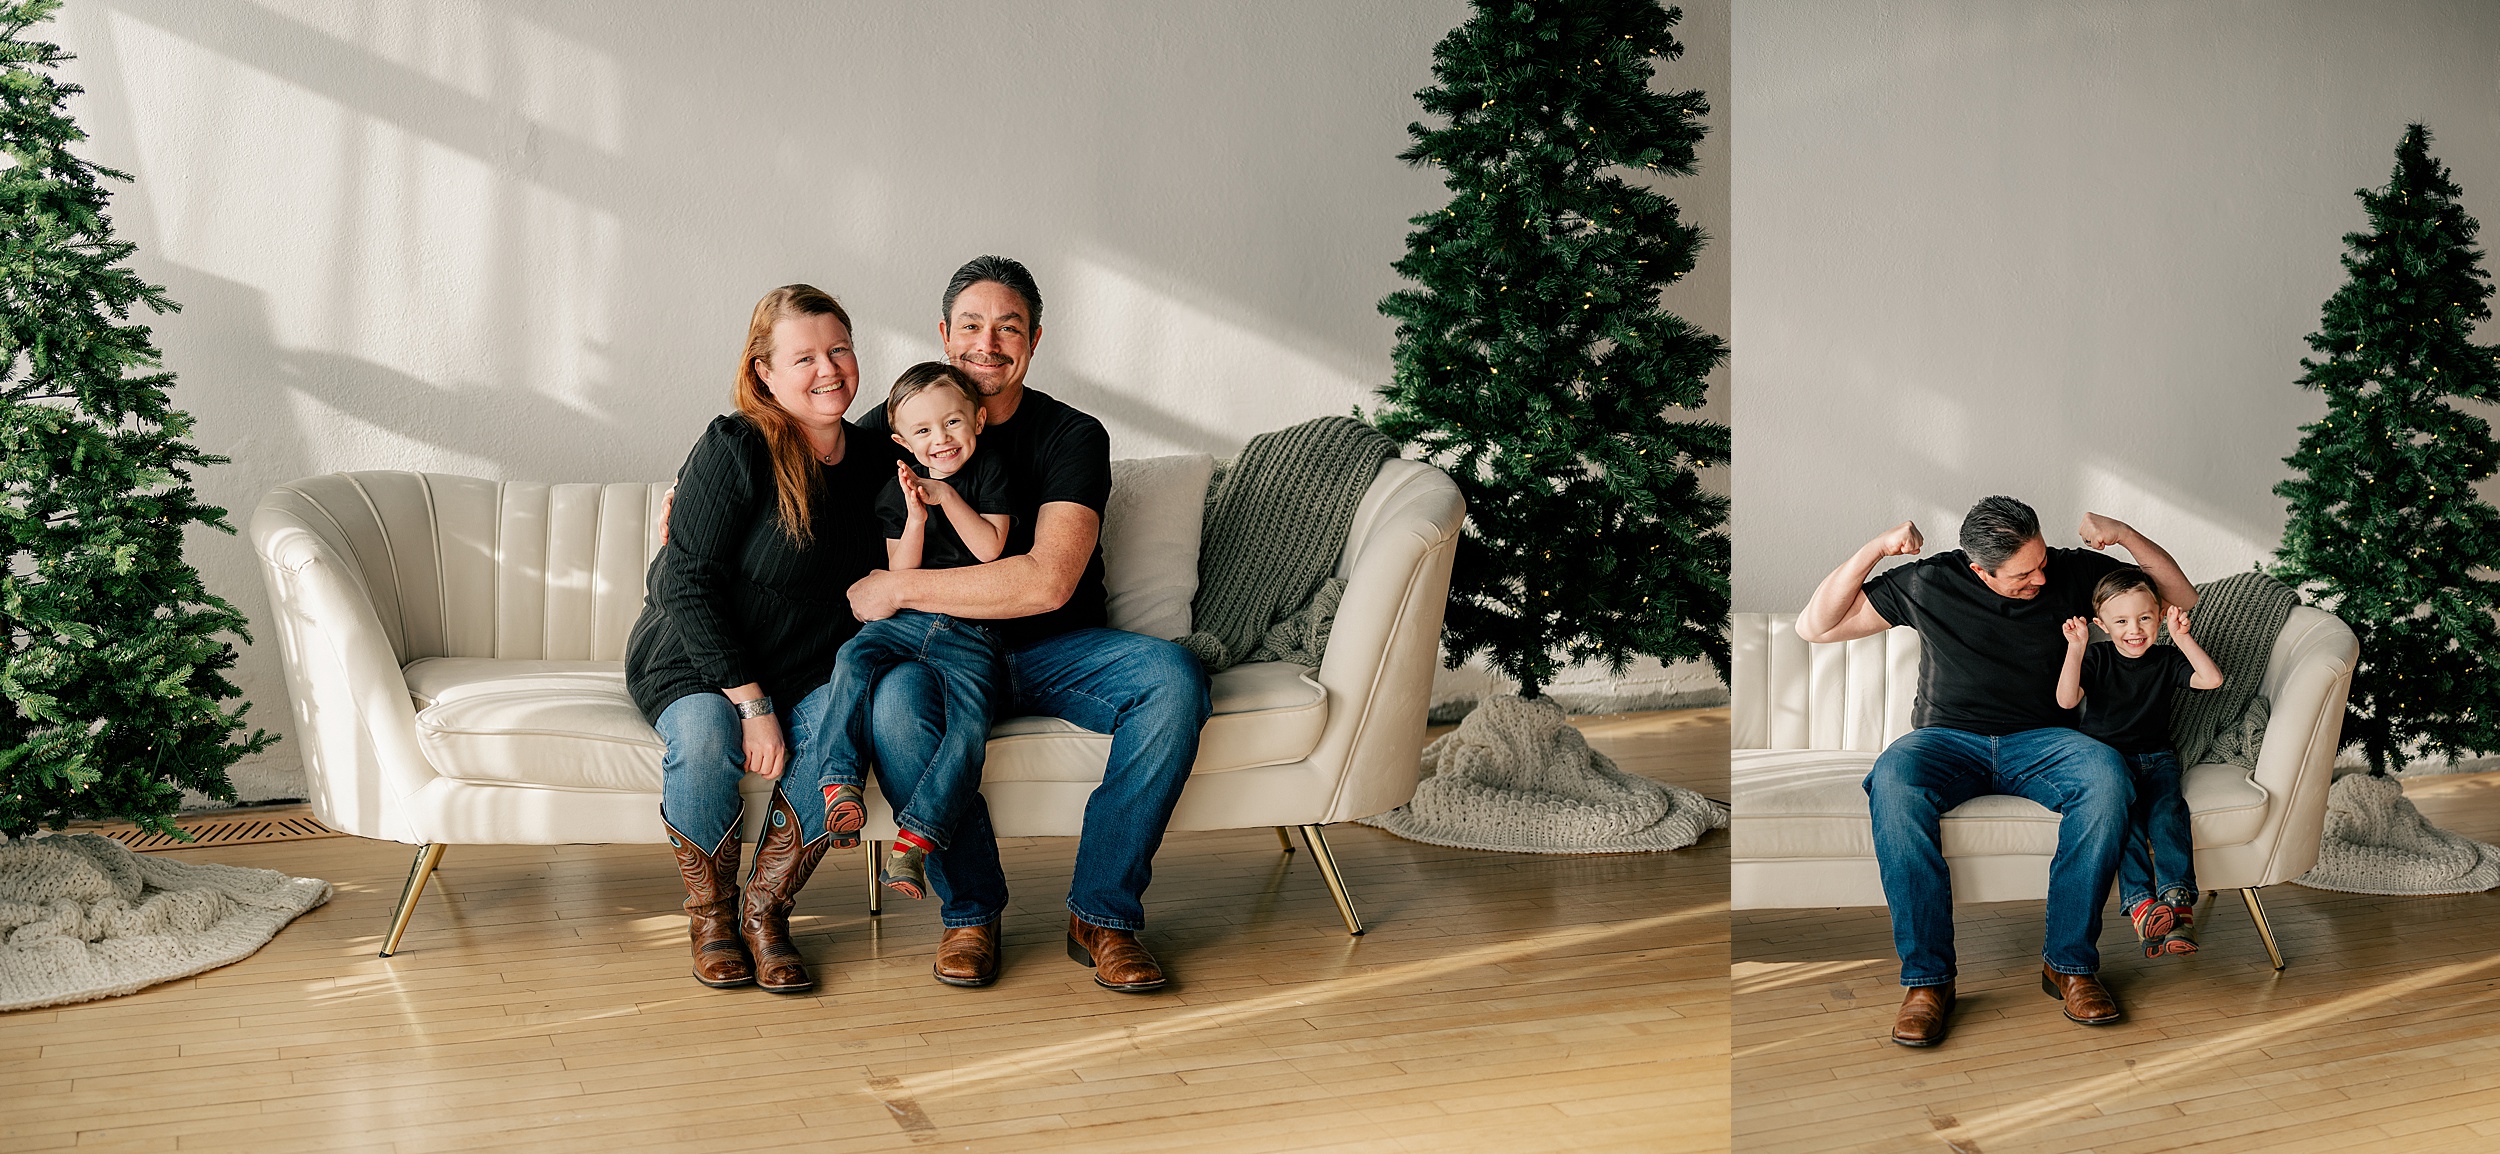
{"x": 936, "y": 415}
{"x": 2124, "y": 685}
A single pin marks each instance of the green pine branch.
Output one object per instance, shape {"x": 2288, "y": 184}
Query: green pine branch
{"x": 2386, "y": 529}
{"x": 113, "y": 655}
{"x": 1534, "y": 362}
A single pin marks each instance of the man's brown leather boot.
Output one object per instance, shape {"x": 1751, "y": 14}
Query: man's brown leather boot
{"x": 720, "y": 960}
{"x": 1926, "y": 1015}
{"x": 1119, "y": 962}
{"x": 968, "y": 955}
{"x": 2086, "y": 999}
{"x": 781, "y": 867}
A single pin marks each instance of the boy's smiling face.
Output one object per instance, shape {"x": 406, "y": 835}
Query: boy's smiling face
{"x": 2132, "y": 619}
{"x": 940, "y": 426}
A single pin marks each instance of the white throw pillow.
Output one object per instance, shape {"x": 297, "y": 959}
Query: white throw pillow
{"x": 1150, "y": 542}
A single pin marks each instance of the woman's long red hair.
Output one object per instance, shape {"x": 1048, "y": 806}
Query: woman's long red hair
{"x": 794, "y": 461}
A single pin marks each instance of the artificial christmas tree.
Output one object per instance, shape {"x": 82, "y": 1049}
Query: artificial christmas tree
{"x": 111, "y": 658}
{"x": 2386, "y": 530}
{"x": 1534, "y": 362}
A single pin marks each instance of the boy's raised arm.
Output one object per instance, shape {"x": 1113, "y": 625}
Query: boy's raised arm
{"x": 2070, "y": 675}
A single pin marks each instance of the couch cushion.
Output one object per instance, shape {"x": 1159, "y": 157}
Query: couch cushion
{"x": 431, "y": 677}
{"x": 1810, "y": 803}
{"x": 572, "y": 725}
{"x": 574, "y": 732}
{"x": 1150, "y": 542}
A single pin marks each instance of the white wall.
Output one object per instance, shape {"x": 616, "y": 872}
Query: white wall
{"x": 2067, "y": 251}
{"x": 520, "y": 240}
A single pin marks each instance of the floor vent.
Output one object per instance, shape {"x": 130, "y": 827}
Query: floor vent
{"x": 224, "y": 829}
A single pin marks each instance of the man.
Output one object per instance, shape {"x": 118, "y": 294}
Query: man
{"x": 1045, "y": 597}
{"x": 1989, "y": 619}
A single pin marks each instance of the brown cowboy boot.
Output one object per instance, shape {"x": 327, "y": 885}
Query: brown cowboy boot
{"x": 1926, "y": 1015}
{"x": 968, "y": 955}
{"x": 781, "y": 867}
{"x": 720, "y": 960}
{"x": 2085, "y": 999}
{"x": 1119, "y": 962}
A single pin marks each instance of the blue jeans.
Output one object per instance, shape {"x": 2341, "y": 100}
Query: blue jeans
{"x": 1149, "y": 694}
{"x": 970, "y": 663}
{"x": 1929, "y": 771}
{"x": 707, "y": 756}
{"x": 2160, "y": 858}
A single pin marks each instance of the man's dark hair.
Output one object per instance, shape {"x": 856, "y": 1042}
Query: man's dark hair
{"x": 1996, "y": 528}
{"x": 1010, "y": 273}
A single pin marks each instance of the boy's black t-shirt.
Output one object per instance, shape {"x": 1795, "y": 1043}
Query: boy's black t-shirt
{"x": 1051, "y": 452}
{"x": 2126, "y": 700}
{"x": 983, "y": 485}
{"x": 1988, "y": 663}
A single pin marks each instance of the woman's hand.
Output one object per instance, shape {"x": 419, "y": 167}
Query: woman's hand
{"x": 767, "y": 750}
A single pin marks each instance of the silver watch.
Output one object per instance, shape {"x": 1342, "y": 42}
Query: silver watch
{"x": 760, "y": 707}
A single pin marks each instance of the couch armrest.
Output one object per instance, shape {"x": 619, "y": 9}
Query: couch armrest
{"x": 2308, "y": 676}
{"x": 1387, "y": 638}
{"x": 355, "y": 727}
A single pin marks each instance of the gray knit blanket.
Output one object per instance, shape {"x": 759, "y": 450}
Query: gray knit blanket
{"x": 1276, "y": 523}
{"x": 82, "y": 917}
{"x": 2236, "y": 620}
{"x": 1515, "y": 777}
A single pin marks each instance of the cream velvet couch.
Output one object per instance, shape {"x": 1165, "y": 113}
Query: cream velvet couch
{"x": 1809, "y": 720}
{"x": 454, "y": 652}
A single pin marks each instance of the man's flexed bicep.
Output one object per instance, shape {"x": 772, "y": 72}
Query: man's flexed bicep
{"x": 1839, "y": 609}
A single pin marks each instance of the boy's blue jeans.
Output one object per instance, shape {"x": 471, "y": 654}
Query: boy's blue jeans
{"x": 2160, "y": 858}
{"x": 969, "y": 663}
{"x": 706, "y": 758}
{"x": 1149, "y": 694}
{"x": 1929, "y": 771}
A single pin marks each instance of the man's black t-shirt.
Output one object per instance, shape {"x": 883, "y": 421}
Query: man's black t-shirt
{"x": 1988, "y": 663}
{"x": 982, "y": 483}
{"x": 1052, "y": 453}
{"x": 2126, "y": 700}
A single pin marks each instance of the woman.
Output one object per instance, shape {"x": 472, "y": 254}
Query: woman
{"x": 774, "y": 519}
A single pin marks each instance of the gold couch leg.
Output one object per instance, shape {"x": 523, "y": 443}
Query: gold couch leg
{"x": 876, "y": 894}
{"x": 2264, "y": 931}
{"x": 428, "y": 856}
{"x": 1284, "y": 840}
{"x": 1336, "y": 883}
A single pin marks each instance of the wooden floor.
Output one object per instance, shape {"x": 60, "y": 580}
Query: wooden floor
{"x": 1500, "y": 1002}
{"x": 2383, "y": 1033}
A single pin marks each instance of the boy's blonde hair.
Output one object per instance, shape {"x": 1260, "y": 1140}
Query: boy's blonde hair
{"x": 2120, "y": 582}
{"x": 922, "y": 377}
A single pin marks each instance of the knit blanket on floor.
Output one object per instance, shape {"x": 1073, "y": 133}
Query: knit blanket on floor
{"x": 1517, "y": 778}
{"x": 2236, "y": 620}
{"x": 1276, "y": 523}
{"x": 2376, "y": 842}
{"x": 81, "y": 917}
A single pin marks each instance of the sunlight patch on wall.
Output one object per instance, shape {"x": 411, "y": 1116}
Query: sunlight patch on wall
{"x": 399, "y": 249}
{"x": 2205, "y": 548}
{"x": 1168, "y": 375}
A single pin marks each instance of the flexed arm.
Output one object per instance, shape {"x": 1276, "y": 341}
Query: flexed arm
{"x": 1839, "y": 610}
{"x": 2169, "y": 580}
